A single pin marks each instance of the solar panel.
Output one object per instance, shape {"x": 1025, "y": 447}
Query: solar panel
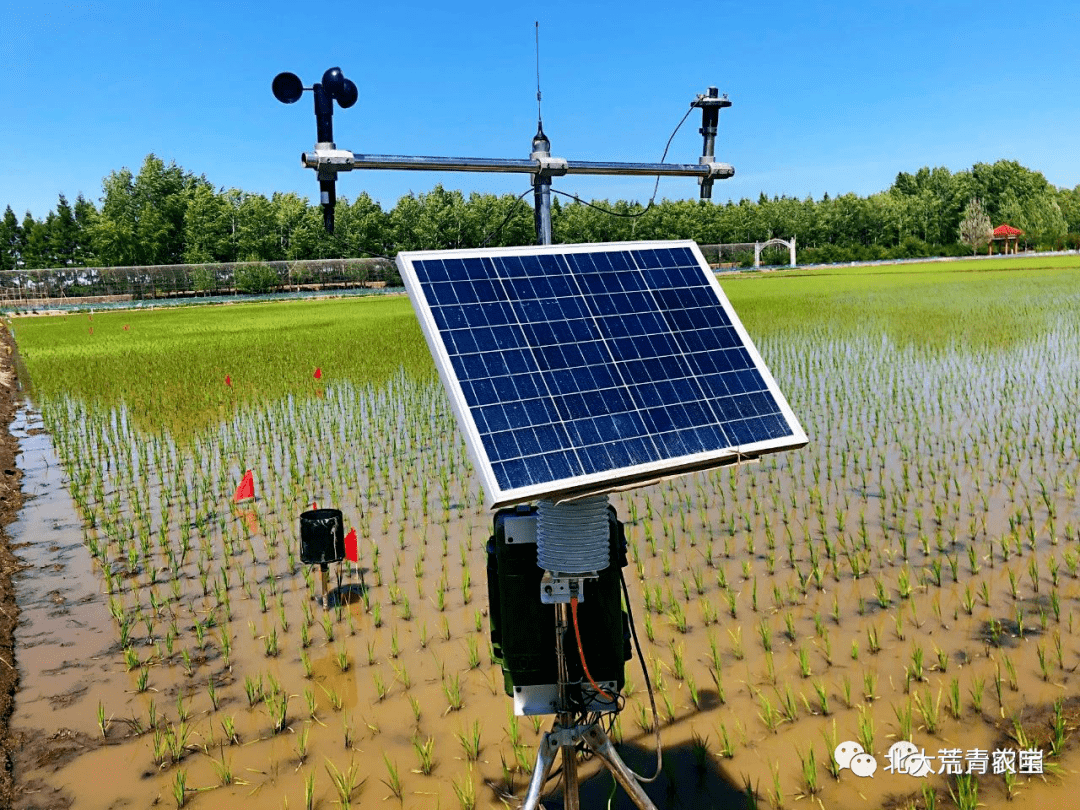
{"x": 583, "y": 369}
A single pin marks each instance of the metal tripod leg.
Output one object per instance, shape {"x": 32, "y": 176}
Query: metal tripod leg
{"x": 596, "y": 738}
{"x": 545, "y": 758}
{"x": 601, "y": 744}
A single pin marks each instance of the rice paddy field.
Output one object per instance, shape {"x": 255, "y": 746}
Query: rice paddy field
{"x": 912, "y": 574}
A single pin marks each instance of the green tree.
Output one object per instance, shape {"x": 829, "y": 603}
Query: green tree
{"x": 113, "y": 232}
{"x": 36, "y": 248}
{"x": 207, "y": 224}
{"x": 159, "y": 204}
{"x": 86, "y": 216}
{"x": 9, "y": 241}
{"x": 63, "y": 234}
{"x": 975, "y": 229}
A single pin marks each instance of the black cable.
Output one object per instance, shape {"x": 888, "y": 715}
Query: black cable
{"x": 648, "y": 686}
{"x": 509, "y": 214}
{"x": 656, "y": 186}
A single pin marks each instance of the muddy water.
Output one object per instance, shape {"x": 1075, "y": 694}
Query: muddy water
{"x": 921, "y": 539}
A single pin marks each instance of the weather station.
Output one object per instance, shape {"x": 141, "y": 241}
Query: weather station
{"x": 574, "y": 371}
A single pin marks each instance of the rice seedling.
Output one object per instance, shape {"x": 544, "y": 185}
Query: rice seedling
{"x": 452, "y": 690}
{"x": 866, "y": 729}
{"x": 966, "y": 793}
{"x": 469, "y": 737}
{"x": 424, "y": 754}
{"x": 929, "y": 710}
{"x": 345, "y": 783}
{"x": 809, "y": 771}
{"x": 393, "y": 780}
{"x": 768, "y": 714}
{"x": 179, "y": 787}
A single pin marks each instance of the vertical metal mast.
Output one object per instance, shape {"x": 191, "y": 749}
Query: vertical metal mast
{"x": 541, "y": 150}
{"x": 711, "y": 103}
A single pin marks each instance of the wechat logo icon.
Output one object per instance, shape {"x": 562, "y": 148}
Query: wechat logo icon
{"x": 850, "y": 754}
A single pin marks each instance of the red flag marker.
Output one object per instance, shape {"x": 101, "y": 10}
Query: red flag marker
{"x": 246, "y": 489}
{"x": 228, "y": 381}
{"x": 314, "y": 505}
{"x": 351, "y": 551}
{"x": 125, "y": 327}
{"x": 318, "y": 373}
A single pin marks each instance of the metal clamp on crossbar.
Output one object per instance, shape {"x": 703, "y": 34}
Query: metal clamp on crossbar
{"x": 717, "y": 171}
{"x": 552, "y": 166}
{"x": 326, "y": 158}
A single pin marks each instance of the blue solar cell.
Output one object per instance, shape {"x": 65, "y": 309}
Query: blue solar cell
{"x": 577, "y": 364}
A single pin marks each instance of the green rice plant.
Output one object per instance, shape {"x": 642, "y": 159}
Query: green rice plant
{"x": 465, "y": 790}
{"x": 917, "y": 671}
{"x": 809, "y": 771}
{"x": 393, "y": 780}
{"x": 765, "y": 634}
{"x": 223, "y": 770}
{"x": 872, "y": 639}
{"x": 787, "y": 704}
{"x": 425, "y": 755}
{"x": 381, "y": 689}
{"x": 966, "y": 793}
{"x": 677, "y": 616}
{"x": 823, "y": 696}
{"x": 253, "y": 687}
{"x": 103, "y": 722}
{"x": 452, "y": 690}
{"x": 179, "y": 787}
{"x": 301, "y": 747}
{"x": 211, "y": 691}
{"x": 335, "y": 699}
{"x": 345, "y": 782}
{"x": 768, "y": 714}
{"x": 347, "y": 731}
{"x": 309, "y": 791}
{"x": 470, "y": 741}
{"x": 691, "y": 686}
{"x": 678, "y": 665}
{"x": 1058, "y": 729}
{"x": 929, "y": 710}
{"x": 736, "y": 643}
{"x": 228, "y": 727}
{"x": 270, "y": 643}
{"x": 804, "y": 662}
{"x": 277, "y": 705}
{"x": 866, "y": 729}
{"x": 1014, "y": 683}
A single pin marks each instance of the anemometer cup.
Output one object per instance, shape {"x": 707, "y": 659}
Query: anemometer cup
{"x": 287, "y": 88}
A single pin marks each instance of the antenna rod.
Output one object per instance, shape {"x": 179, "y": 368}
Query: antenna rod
{"x": 539, "y": 117}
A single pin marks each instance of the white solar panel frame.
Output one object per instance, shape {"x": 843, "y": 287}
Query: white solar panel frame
{"x": 608, "y": 480}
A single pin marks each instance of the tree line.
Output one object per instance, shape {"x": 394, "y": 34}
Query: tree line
{"x": 167, "y": 215}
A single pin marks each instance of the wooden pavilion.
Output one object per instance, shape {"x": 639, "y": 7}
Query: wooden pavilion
{"x": 1006, "y": 234}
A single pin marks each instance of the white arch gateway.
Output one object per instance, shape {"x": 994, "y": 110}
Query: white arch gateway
{"x": 760, "y": 246}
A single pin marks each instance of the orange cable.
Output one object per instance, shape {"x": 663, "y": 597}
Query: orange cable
{"x": 581, "y": 651}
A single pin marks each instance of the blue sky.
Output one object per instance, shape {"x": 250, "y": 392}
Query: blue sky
{"x": 827, "y": 98}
